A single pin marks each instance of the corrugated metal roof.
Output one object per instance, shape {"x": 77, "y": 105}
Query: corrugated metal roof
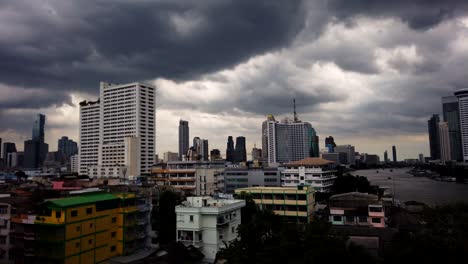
{"x": 80, "y": 200}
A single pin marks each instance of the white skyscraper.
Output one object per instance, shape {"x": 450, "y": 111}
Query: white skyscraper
{"x": 463, "y": 109}
{"x": 444, "y": 141}
{"x": 90, "y": 114}
{"x": 126, "y": 131}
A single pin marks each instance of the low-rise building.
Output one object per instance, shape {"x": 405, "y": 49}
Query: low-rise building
{"x": 208, "y": 224}
{"x": 242, "y": 177}
{"x": 316, "y": 172}
{"x": 24, "y": 236}
{"x": 5, "y": 224}
{"x": 356, "y": 209}
{"x": 296, "y": 204}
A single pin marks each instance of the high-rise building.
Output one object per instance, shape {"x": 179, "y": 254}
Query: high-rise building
{"x": 452, "y": 117}
{"x": 385, "y": 154}
{"x": 8, "y": 147}
{"x": 183, "y": 138}
{"x": 67, "y": 147}
{"x": 126, "y": 131}
{"x": 204, "y": 150}
{"x": 240, "y": 151}
{"x": 288, "y": 141}
{"x": 74, "y": 161}
{"x": 394, "y": 154}
{"x": 349, "y": 151}
{"x": 444, "y": 140}
{"x": 35, "y": 153}
{"x": 462, "y": 96}
{"x": 230, "y": 149}
{"x": 90, "y": 116}
{"x": 215, "y": 154}
{"x": 330, "y": 144}
{"x": 170, "y": 156}
{"x": 433, "y": 129}
{"x": 38, "y": 128}
{"x": 256, "y": 154}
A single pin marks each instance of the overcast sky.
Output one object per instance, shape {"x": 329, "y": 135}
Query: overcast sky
{"x": 369, "y": 72}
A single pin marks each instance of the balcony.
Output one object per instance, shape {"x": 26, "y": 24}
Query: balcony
{"x": 143, "y": 207}
{"x": 182, "y": 179}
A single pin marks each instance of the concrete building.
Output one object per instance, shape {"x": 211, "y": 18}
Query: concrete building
{"x": 208, "y": 224}
{"x": 241, "y": 177}
{"x": 369, "y": 159}
{"x": 15, "y": 159}
{"x": 215, "y": 154}
{"x": 444, "y": 142}
{"x": 256, "y": 154}
{"x": 451, "y": 115}
{"x": 288, "y": 141}
{"x": 191, "y": 177}
{"x": 5, "y": 230}
{"x": 462, "y": 96}
{"x": 434, "y": 143}
{"x": 126, "y": 131}
{"x": 8, "y": 147}
{"x": 34, "y": 153}
{"x": 295, "y": 204}
{"x": 170, "y": 156}
{"x": 183, "y": 138}
{"x": 337, "y": 157}
{"x": 74, "y": 163}
{"x": 67, "y": 146}
{"x": 315, "y": 172}
{"x": 349, "y": 151}
{"x": 356, "y": 209}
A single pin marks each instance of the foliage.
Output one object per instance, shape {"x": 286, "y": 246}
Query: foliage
{"x": 250, "y": 209}
{"x": 350, "y": 183}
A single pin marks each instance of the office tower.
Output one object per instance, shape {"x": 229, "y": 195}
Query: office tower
{"x": 256, "y": 154}
{"x": 230, "y": 150}
{"x": 1, "y": 154}
{"x": 215, "y": 154}
{"x": 8, "y": 147}
{"x": 444, "y": 140}
{"x": 170, "y": 156}
{"x": 38, "y": 128}
{"x": 288, "y": 141}
{"x": 67, "y": 147}
{"x": 394, "y": 154}
{"x": 421, "y": 157}
{"x": 240, "y": 151}
{"x": 35, "y": 153}
{"x": 452, "y": 117}
{"x": 462, "y": 96}
{"x": 385, "y": 154}
{"x": 349, "y": 151}
{"x": 204, "y": 150}
{"x": 90, "y": 116}
{"x": 330, "y": 144}
{"x": 433, "y": 129}
{"x": 126, "y": 131}
{"x": 183, "y": 138}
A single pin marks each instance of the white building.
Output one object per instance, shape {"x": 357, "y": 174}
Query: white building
{"x": 316, "y": 172}
{"x": 349, "y": 150}
{"x": 463, "y": 110}
{"x": 126, "y": 132}
{"x": 287, "y": 141}
{"x": 74, "y": 162}
{"x": 208, "y": 223}
{"x": 444, "y": 141}
{"x": 89, "y": 135}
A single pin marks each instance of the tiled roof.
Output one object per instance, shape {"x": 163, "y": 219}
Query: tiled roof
{"x": 310, "y": 162}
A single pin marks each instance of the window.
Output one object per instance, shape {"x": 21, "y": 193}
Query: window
{"x": 112, "y": 249}
{"x": 91, "y": 225}
{"x": 376, "y": 220}
{"x": 89, "y": 211}
{"x": 90, "y": 241}
{"x": 113, "y": 234}
{"x": 78, "y": 228}
{"x": 191, "y": 218}
{"x": 58, "y": 214}
{"x": 336, "y": 218}
{"x": 375, "y": 209}
{"x": 221, "y": 236}
{"x": 362, "y": 219}
{"x": 350, "y": 219}
{"x": 77, "y": 244}
{"x": 233, "y": 229}
{"x": 74, "y": 213}
{"x": 114, "y": 220}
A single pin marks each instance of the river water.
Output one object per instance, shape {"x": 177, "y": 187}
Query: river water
{"x": 421, "y": 189}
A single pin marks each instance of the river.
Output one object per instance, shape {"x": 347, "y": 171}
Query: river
{"x": 421, "y": 189}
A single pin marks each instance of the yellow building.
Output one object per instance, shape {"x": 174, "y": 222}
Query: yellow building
{"x": 90, "y": 228}
{"x": 296, "y": 204}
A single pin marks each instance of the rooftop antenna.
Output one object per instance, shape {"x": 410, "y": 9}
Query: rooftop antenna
{"x": 295, "y": 114}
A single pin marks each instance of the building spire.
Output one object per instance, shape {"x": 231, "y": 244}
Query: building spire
{"x": 295, "y": 114}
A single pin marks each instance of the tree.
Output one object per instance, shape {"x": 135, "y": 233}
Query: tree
{"x": 250, "y": 208}
{"x": 165, "y": 216}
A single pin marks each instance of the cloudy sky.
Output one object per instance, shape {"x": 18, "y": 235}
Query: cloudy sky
{"x": 368, "y": 72}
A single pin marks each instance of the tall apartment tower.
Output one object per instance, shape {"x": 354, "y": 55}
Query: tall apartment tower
{"x": 183, "y": 138}
{"x": 67, "y": 147}
{"x": 462, "y": 96}
{"x": 230, "y": 153}
{"x": 451, "y": 115}
{"x": 90, "y": 116}
{"x": 444, "y": 140}
{"x": 38, "y": 128}
{"x": 240, "y": 151}
{"x": 287, "y": 141}
{"x": 126, "y": 131}
{"x": 394, "y": 154}
{"x": 433, "y": 129}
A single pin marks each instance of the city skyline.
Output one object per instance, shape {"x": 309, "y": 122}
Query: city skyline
{"x": 382, "y": 90}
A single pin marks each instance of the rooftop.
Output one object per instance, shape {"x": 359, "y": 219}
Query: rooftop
{"x": 310, "y": 162}
{"x": 80, "y": 200}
